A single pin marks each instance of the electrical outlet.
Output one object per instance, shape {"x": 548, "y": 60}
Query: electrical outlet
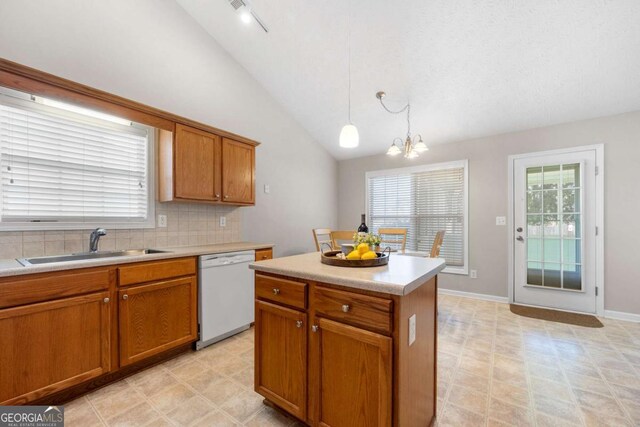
{"x": 473, "y": 274}
{"x": 162, "y": 221}
{"x": 501, "y": 220}
{"x": 267, "y": 190}
{"x": 412, "y": 329}
{"x": 223, "y": 221}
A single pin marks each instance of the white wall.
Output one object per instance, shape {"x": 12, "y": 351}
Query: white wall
{"x": 488, "y": 199}
{"x": 152, "y": 52}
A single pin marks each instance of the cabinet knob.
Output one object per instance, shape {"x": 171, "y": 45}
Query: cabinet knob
{"x": 125, "y": 296}
{"x": 264, "y": 257}
{"x": 346, "y": 308}
{"x": 106, "y": 300}
{"x": 315, "y": 328}
{"x": 298, "y": 323}
{"x": 226, "y": 196}
{"x": 217, "y": 196}
{"x": 276, "y": 291}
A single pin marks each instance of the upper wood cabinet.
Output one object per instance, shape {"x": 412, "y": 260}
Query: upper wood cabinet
{"x": 238, "y": 166}
{"x": 195, "y": 165}
{"x": 49, "y": 346}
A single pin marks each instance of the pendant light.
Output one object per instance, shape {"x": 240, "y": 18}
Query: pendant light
{"x": 349, "y": 137}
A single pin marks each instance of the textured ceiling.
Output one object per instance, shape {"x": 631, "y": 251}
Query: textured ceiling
{"x": 470, "y": 68}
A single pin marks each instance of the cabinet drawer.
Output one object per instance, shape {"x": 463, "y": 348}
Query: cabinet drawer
{"x": 263, "y": 254}
{"x": 155, "y": 270}
{"x": 361, "y": 310}
{"x": 22, "y": 290}
{"x": 281, "y": 291}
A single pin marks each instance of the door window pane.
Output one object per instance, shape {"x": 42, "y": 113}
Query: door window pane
{"x": 534, "y": 249}
{"x": 554, "y": 231}
{"x": 534, "y": 273}
{"x": 571, "y": 175}
{"x": 534, "y": 178}
{"x": 552, "y": 250}
{"x": 551, "y": 177}
{"x": 551, "y": 277}
{"x": 550, "y": 201}
{"x": 572, "y": 277}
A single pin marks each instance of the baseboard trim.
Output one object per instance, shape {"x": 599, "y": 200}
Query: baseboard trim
{"x": 472, "y": 295}
{"x": 621, "y": 315}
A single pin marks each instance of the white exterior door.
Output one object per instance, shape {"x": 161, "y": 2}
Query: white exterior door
{"x": 555, "y": 231}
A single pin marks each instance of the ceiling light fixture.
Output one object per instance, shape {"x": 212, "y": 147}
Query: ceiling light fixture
{"x": 349, "y": 137}
{"x": 246, "y": 13}
{"x": 410, "y": 147}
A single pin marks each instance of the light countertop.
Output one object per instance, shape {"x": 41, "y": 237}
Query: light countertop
{"x": 403, "y": 274}
{"x": 11, "y": 267}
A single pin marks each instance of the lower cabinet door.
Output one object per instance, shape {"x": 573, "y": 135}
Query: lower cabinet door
{"x": 353, "y": 369}
{"x": 49, "y": 346}
{"x": 157, "y": 317}
{"x": 281, "y": 357}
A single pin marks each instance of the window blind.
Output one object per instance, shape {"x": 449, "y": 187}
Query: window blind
{"x": 61, "y": 166}
{"x": 423, "y": 202}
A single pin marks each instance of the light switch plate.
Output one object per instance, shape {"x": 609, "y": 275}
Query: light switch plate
{"x": 412, "y": 329}
{"x": 223, "y": 221}
{"x": 162, "y": 221}
{"x": 267, "y": 190}
{"x": 473, "y": 274}
{"x": 501, "y": 220}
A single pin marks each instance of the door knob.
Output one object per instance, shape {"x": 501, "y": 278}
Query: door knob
{"x": 520, "y": 239}
{"x": 519, "y": 229}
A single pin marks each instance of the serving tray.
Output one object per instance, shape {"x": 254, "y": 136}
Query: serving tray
{"x": 329, "y": 258}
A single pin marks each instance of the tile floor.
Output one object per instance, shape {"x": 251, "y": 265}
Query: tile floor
{"x": 495, "y": 369}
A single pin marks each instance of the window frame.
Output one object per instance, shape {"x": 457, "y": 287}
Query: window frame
{"x": 464, "y": 270}
{"x": 106, "y": 222}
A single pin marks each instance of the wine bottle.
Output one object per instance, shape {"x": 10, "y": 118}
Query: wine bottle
{"x": 363, "y": 229}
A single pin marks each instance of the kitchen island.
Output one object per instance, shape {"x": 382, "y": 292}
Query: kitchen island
{"x": 338, "y": 346}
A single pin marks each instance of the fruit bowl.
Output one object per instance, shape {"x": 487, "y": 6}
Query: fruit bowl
{"x": 331, "y": 258}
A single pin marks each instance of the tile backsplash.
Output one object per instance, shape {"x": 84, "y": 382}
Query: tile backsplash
{"x": 188, "y": 224}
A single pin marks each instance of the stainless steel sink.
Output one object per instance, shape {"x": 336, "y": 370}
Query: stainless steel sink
{"x": 87, "y": 255}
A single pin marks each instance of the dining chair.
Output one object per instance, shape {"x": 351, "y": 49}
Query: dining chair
{"x": 393, "y": 236}
{"x": 320, "y": 236}
{"x": 341, "y": 236}
{"x": 437, "y": 244}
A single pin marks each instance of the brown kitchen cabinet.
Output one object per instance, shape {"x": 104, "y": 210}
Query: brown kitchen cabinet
{"x": 281, "y": 363}
{"x": 264, "y": 254}
{"x": 65, "y": 333}
{"x": 353, "y": 374}
{"x": 158, "y": 308}
{"x": 196, "y": 165}
{"x": 345, "y": 352}
{"x": 49, "y": 346}
{"x": 156, "y": 317}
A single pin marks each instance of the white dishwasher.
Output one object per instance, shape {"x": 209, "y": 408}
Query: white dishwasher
{"x": 225, "y": 295}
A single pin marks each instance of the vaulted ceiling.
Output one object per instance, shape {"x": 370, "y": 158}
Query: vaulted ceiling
{"x": 469, "y": 68}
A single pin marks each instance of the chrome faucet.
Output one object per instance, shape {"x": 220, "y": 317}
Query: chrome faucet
{"x": 94, "y": 238}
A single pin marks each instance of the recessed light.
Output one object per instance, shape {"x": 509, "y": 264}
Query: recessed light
{"x": 245, "y": 16}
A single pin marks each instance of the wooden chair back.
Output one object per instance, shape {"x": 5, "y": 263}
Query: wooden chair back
{"x": 437, "y": 244}
{"x": 341, "y": 236}
{"x": 320, "y": 236}
{"x": 393, "y": 236}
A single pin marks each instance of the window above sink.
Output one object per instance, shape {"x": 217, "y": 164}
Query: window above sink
{"x": 67, "y": 167}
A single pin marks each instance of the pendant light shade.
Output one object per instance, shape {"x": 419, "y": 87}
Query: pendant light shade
{"x": 349, "y": 137}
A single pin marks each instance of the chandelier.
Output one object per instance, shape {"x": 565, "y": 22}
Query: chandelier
{"x": 410, "y": 147}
